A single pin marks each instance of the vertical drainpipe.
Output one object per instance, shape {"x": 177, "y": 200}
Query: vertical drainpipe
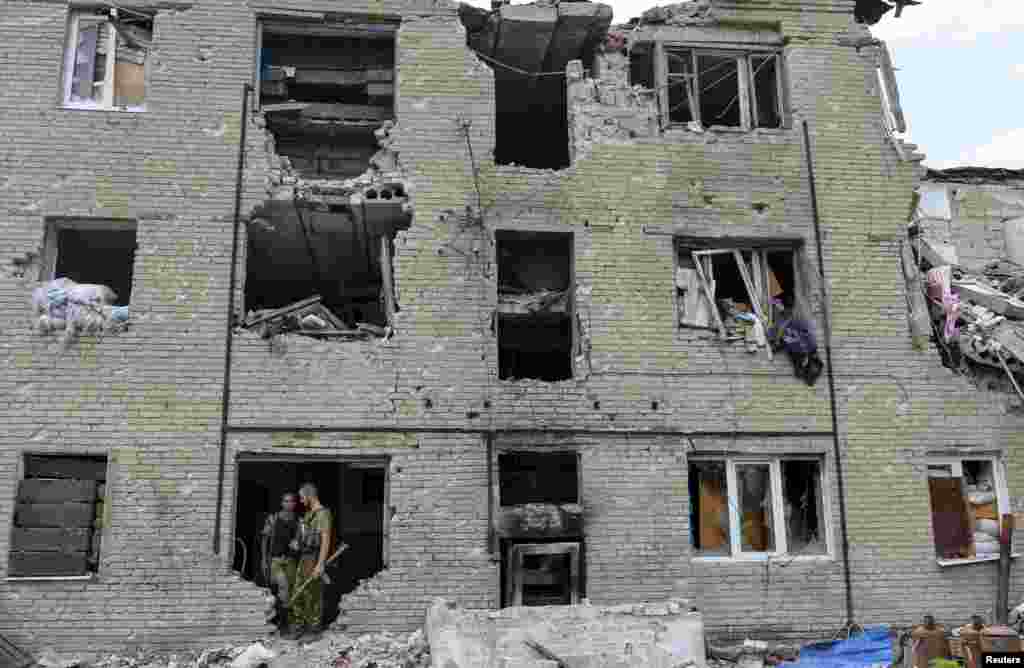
{"x": 840, "y": 484}
{"x": 230, "y": 326}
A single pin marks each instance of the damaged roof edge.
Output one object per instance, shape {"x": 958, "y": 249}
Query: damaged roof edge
{"x": 975, "y": 174}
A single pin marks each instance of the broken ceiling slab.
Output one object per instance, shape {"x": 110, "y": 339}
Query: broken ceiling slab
{"x": 992, "y": 299}
{"x": 938, "y": 254}
{"x": 871, "y": 11}
{"x": 579, "y": 24}
{"x": 524, "y": 35}
{"x": 980, "y": 175}
{"x": 695, "y": 12}
{"x": 537, "y": 34}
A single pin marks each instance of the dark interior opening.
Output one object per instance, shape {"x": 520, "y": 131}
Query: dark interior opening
{"x": 531, "y": 121}
{"x": 297, "y": 252}
{"x": 719, "y": 90}
{"x": 709, "y": 508}
{"x": 538, "y": 477}
{"x": 355, "y": 494}
{"x": 641, "y": 66}
{"x": 766, "y": 90}
{"x": 543, "y": 579}
{"x": 349, "y": 80}
{"x": 802, "y": 497}
{"x": 105, "y": 257}
{"x": 535, "y": 326}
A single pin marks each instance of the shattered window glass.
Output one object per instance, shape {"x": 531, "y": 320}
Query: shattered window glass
{"x": 718, "y": 79}
{"x": 803, "y": 505}
{"x": 681, "y": 98}
{"x": 92, "y": 79}
{"x": 765, "y": 75}
{"x": 709, "y": 508}
{"x": 935, "y": 203}
{"x": 754, "y": 482}
{"x": 89, "y": 67}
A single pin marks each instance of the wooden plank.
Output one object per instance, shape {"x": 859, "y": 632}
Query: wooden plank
{"x": 387, "y": 280}
{"x": 42, "y": 564}
{"x": 50, "y": 540}
{"x": 661, "y": 82}
{"x": 81, "y": 468}
{"x": 348, "y": 112}
{"x": 707, "y": 293}
{"x": 41, "y": 490}
{"x": 66, "y": 515}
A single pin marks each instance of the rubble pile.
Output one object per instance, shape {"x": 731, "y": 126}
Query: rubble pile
{"x": 332, "y": 650}
{"x": 977, "y": 318}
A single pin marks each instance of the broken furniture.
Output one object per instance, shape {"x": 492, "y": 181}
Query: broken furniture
{"x": 308, "y": 317}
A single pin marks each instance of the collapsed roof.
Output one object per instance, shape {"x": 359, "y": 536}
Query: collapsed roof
{"x": 975, "y": 174}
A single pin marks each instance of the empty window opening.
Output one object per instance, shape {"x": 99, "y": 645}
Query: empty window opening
{"x": 542, "y": 574}
{"x": 354, "y": 491}
{"x": 535, "y": 305}
{"x": 343, "y": 256}
{"x": 713, "y": 88}
{"x": 531, "y": 121}
{"x": 968, "y": 497}
{"x": 745, "y": 285}
{"x": 538, "y": 477}
{"x": 325, "y": 89}
{"x": 742, "y": 507}
{"x": 58, "y": 517}
{"x": 803, "y": 506}
{"x": 105, "y": 59}
{"x": 709, "y": 508}
{"x": 92, "y": 252}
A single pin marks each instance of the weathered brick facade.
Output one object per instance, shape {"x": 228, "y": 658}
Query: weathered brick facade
{"x": 643, "y": 396}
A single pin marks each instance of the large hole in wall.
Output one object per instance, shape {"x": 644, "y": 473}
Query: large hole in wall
{"x": 531, "y": 121}
{"x": 538, "y": 477}
{"x": 324, "y": 89}
{"x": 342, "y": 254}
{"x": 535, "y": 305}
{"x": 354, "y": 491}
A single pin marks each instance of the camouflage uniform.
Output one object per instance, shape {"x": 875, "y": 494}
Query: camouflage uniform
{"x": 307, "y": 610}
{"x": 278, "y": 532}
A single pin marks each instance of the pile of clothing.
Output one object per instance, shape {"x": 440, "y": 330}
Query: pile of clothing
{"x": 61, "y": 305}
{"x": 796, "y": 337}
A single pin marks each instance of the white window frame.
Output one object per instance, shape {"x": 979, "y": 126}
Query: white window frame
{"x": 1003, "y": 507}
{"x": 747, "y": 94}
{"x": 778, "y": 510}
{"x": 70, "y": 51}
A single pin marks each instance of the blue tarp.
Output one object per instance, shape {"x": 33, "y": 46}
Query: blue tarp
{"x": 866, "y": 649}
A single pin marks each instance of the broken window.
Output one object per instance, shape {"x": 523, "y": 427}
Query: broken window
{"x": 95, "y": 252}
{"x": 934, "y": 202}
{"x": 742, "y": 507}
{"x": 968, "y": 497}
{"x": 325, "y": 88}
{"x": 731, "y": 288}
{"x": 325, "y": 270}
{"x": 354, "y": 490}
{"x": 535, "y": 323}
{"x": 538, "y": 477}
{"x": 892, "y": 112}
{"x": 105, "y": 59}
{"x": 543, "y": 574}
{"x": 58, "y": 517}
{"x": 711, "y": 87}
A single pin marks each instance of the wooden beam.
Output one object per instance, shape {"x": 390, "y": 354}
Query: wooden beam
{"x": 707, "y": 294}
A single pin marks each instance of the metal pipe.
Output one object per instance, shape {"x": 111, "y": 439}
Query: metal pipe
{"x": 361, "y": 429}
{"x": 230, "y": 324}
{"x": 831, "y": 380}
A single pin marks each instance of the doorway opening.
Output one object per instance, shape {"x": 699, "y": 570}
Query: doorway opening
{"x": 355, "y": 491}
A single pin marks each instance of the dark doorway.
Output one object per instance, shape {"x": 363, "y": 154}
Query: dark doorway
{"x": 354, "y": 491}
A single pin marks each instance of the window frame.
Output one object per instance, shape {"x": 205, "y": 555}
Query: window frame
{"x": 71, "y": 48}
{"x": 103, "y": 530}
{"x": 51, "y": 241}
{"x": 747, "y": 93}
{"x": 781, "y": 550}
{"x": 1003, "y": 506}
{"x": 759, "y": 249}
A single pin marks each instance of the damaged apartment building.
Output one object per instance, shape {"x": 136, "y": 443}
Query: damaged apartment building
{"x": 550, "y": 308}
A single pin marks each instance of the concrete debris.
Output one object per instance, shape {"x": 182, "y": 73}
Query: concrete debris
{"x": 254, "y": 656}
{"x": 694, "y": 12}
{"x": 308, "y": 317}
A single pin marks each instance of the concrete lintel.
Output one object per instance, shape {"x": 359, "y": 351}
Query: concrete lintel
{"x": 711, "y": 36}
